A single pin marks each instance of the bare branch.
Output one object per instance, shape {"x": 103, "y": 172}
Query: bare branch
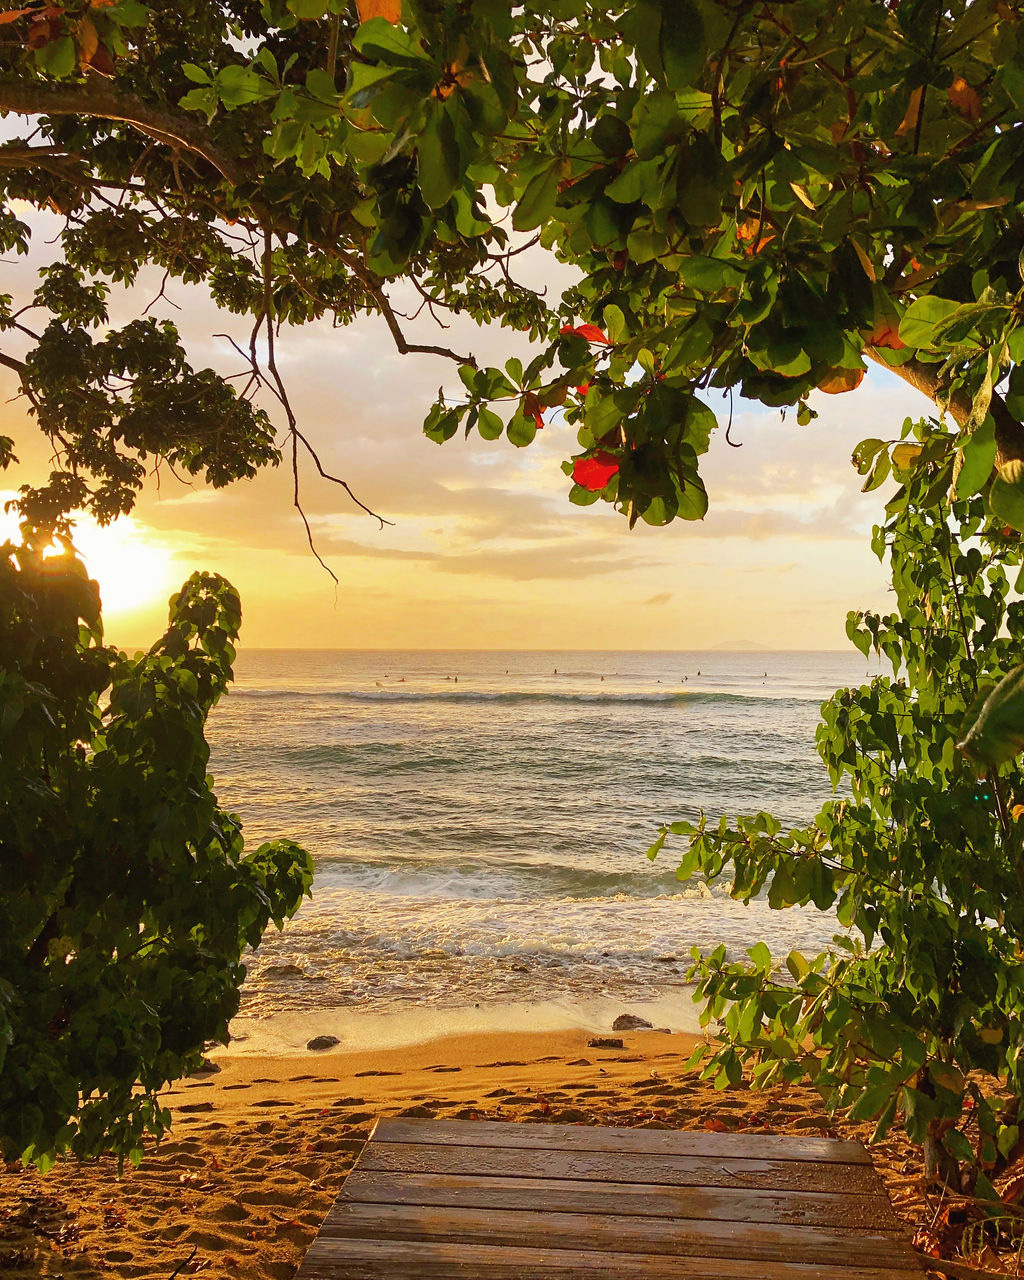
{"x": 404, "y": 346}
{"x": 279, "y": 389}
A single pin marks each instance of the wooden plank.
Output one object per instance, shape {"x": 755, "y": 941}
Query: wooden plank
{"x": 434, "y": 1260}
{"x": 643, "y": 1200}
{"x": 564, "y": 1137}
{"x": 607, "y": 1166}
{"x": 832, "y": 1246}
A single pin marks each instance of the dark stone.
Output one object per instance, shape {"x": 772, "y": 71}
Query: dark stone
{"x": 322, "y": 1042}
{"x": 631, "y": 1022}
{"x": 281, "y": 971}
{"x": 664, "y": 1031}
{"x": 604, "y": 1042}
{"x": 206, "y": 1068}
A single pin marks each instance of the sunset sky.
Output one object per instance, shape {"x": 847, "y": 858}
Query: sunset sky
{"x": 486, "y": 550}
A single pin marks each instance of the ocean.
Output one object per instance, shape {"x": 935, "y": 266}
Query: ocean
{"x": 480, "y": 820}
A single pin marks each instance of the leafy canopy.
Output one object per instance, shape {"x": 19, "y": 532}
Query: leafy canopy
{"x": 127, "y": 899}
{"x": 759, "y": 196}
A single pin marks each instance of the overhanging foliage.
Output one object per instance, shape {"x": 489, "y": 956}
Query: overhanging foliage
{"x": 760, "y": 196}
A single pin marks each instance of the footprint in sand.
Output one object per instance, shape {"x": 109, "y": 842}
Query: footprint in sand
{"x": 226, "y": 1087}
{"x": 378, "y": 1073}
{"x": 196, "y": 1106}
{"x": 269, "y": 1102}
{"x": 444, "y": 1069}
{"x": 230, "y": 1212}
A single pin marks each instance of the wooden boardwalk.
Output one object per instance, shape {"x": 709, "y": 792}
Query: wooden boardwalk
{"x": 431, "y": 1199}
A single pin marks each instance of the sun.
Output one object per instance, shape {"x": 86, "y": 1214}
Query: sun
{"x": 132, "y": 566}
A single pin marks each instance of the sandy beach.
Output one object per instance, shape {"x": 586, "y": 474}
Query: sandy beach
{"x": 260, "y": 1147}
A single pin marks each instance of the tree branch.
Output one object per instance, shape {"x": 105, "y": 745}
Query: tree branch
{"x": 924, "y": 378}
{"x": 9, "y": 362}
{"x": 35, "y": 98}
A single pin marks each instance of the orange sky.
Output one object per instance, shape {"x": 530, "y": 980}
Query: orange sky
{"x": 485, "y": 550}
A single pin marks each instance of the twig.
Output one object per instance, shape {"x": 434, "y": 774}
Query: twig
{"x": 281, "y": 393}
{"x": 182, "y": 1265}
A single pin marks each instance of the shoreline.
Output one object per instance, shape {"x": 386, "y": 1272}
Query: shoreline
{"x": 261, "y": 1144}
{"x": 356, "y": 1030}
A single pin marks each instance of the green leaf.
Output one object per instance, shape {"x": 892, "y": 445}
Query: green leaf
{"x": 537, "y": 202}
{"x": 614, "y": 323}
{"x": 710, "y": 275}
{"x": 760, "y": 956}
{"x": 919, "y": 321}
{"x": 611, "y": 135}
{"x": 1006, "y": 497}
{"x": 489, "y": 424}
{"x": 521, "y": 430}
{"x": 438, "y": 151}
{"x": 682, "y": 43}
{"x": 379, "y": 40}
{"x": 308, "y": 9}
{"x": 59, "y": 57}
{"x": 693, "y": 498}
{"x": 979, "y": 454}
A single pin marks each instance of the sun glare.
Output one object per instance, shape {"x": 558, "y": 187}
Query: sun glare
{"x": 131, "y": 566}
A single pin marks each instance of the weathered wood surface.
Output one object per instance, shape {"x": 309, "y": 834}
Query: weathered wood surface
{"x": 414, "y": 1260}
{"x": 563, "y": 1195}
{"x": 433, "y": 1200}
{"x": 687, "y": 1237}
{"x": 572, "y": 1137}
{"x": 624, "y": 1166}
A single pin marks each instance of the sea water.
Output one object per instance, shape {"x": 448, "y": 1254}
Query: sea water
{"x": 479, "y": 820}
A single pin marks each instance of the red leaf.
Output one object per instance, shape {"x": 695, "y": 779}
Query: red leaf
{"x": 593, "y": 334}
{"x": 594, "y": 472}
{"x": 589, "y": 331}
{"x": 836, "y": 381}
{"x": 583, "y": 388}
{"x": 102, "y": 61}
{"x": 391, "y": 10}
{"x": 13, "y": 15}
{"x": 532, "y": 408}
{"x": 715, "y": 1125}
{"x": 964, "y": 98}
